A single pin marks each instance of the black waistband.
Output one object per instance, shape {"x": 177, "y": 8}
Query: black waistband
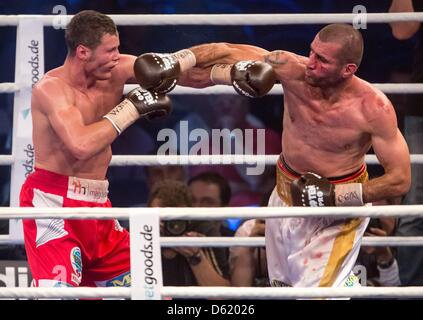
{"x": 295, "y": 173}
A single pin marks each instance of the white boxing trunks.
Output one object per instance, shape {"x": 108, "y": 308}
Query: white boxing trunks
{"x": 312, "y": 252}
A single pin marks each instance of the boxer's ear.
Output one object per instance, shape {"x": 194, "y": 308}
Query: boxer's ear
{"x": 83, "y": 53}
{"x": 349, "y": 70}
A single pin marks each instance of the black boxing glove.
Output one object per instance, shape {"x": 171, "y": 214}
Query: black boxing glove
{"x": 160, "y": 72}
{"x": 139, "y": 103}
{"x": 312, "y": 190}
{"x": 249, "y": 78}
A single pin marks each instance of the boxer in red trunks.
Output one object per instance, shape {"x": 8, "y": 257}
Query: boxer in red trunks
{"x": 77, "y": 114}
{"x": 59, "y": 250}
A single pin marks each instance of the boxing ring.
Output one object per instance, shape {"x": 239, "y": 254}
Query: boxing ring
{"x": 135, "y": 214}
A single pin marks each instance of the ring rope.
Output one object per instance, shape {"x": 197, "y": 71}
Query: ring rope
{"x": 8, "y": 87}
{"x": 390, "y": 88}
{"x": 239, "y": 159}
{"x": 66, "y": 293}
{"x": 228, "y": 19}
{"x": 6, "y": 160}
{"x": 211, "y": 213}
{"x": 209, "y": 242}
{"x": 167, "y": 242}
{"x": 127, "y": 160}
{"x": 290, "y": 293}
{"x": 219, "y": 292}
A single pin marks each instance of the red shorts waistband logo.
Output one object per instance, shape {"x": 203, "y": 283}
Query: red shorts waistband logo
{"x": 88, "y": 190}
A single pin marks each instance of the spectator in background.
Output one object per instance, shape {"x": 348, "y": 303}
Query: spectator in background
{"x": 248, "y": 265}
{"x": 188, "y": 266}
{"x": 159, "y": 173}
{"x": 210, "y": 189}
{"x": 380, "y": 263}
{"x": 410, "y": 259}
{"x": 232, "y": 112}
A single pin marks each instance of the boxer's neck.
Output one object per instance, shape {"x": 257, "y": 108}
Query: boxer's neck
{"x": 77, "y": 74}
{"x": 336, "y": 92}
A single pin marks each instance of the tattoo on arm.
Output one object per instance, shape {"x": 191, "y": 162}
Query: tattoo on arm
{"x": 276, "y": 57}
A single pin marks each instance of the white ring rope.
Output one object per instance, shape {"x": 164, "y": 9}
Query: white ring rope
{"x": 390, "y": 88}
{"x": 8, "y": 87}
{"x": 126, "y": 160}
{"x": 6, "y": 160}
{"x": 218, "y": 292}
{"x": 291, "y": 293}
{"x": 166, "y": 242}
{"x": 211, "y": 213}
{"x": 228, "y": 19}
{"x": 206, "y": 242}
{"x": 152, "y": 160}
{"x": 66, "y": 293}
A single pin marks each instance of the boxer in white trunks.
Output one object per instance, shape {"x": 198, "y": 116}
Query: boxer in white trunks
{"x": 331, "y": 120}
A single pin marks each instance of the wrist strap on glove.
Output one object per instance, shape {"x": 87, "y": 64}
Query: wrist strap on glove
{"x": 349, "y": 194}
{"x": 186, "y": 59}
{"x": 123, "y": 115}
{"x": 221, "y": 74}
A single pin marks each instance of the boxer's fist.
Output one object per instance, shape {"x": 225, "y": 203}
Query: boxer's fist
{"x": 252, "y": 78}
{"x": 160, "y": 72}
{"x": 139, "y": 103}
{"x": 150, "y": 105}
{"x": 312, "y": 190}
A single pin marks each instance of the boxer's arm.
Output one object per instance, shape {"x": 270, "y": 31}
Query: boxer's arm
{"x": 403, "y": 30}
{"x": 210, "y": 54}
{"x": 392, "y": 152}
{"x": 226, "y": 53}
{"x": 126, "y": 66}
{"x": 287, "y": 65}
{"x": 83, "y": 141}
{"x": 196, "y": 78}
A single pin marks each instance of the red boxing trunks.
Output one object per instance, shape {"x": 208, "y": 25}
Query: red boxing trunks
{"x": 73, "y": 252}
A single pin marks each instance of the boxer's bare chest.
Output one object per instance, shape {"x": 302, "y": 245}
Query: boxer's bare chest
{"x": 332, "y": 126}
{"x": 95, "y": 102}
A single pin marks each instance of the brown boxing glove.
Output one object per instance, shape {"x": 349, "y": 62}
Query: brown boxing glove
{"x": 312, "y": 190}
{"x": 160, "y": 72}
{"x": 139, "y": 103}
{"x": 252, "y": 78}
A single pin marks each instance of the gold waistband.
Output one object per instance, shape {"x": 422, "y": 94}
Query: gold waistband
{"x": 284, "y": 179}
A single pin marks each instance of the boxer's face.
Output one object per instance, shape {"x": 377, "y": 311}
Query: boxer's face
{"x": 323, "y": 68}
{"x": 104, "y": 57}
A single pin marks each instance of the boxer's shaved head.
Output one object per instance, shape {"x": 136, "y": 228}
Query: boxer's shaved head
{"x": 350, "y": 39}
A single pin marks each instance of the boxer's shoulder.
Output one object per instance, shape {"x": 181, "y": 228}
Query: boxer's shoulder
{"x": 375, "y": 105}
{"x": 54, "y": 80}
{"x": 52, "y": 89}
